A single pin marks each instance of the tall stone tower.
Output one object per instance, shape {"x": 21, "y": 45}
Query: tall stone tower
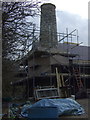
{"x": 48, "y": 28}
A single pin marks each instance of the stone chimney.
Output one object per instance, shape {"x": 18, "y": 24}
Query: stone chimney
{"x": 48, "y": 28}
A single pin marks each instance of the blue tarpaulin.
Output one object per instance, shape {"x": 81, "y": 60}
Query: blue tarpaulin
{"x": 64, "y": 106}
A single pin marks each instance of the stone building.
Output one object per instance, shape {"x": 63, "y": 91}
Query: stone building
{"x": 41, "y": 62}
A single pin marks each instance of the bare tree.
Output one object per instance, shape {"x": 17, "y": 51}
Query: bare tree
{"x": 17, "y": 36}
{"x": 16, "y": 28}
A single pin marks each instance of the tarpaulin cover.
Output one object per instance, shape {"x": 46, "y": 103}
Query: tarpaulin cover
{"x": 65, "y": 106}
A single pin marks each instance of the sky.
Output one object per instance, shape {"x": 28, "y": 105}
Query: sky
{"x": 72, "y": 14}
{"x": 79, "y": 7}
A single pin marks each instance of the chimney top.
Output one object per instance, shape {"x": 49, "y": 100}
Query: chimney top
{"x": 48, "y": 4}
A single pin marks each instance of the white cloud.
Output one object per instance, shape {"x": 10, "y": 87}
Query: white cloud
{"x": 79, "y": 7}
{"x": 66, "y": 19}
{"x": 71, "y": 21}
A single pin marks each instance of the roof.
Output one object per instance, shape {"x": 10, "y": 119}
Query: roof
{"x": 63, "y": 49}
{"x": 82, "y": 51}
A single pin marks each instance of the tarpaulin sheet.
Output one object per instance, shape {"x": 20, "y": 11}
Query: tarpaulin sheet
{"x": 65, "y": 106}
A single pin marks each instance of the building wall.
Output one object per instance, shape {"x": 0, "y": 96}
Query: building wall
{"x": 58, "y": 59}
{"x": 39, "y": 66}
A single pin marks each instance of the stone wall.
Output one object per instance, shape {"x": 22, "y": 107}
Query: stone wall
{"x": 48, "y": 28}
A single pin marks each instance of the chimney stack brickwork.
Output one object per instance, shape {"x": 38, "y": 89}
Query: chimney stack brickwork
{"x": 48, "y": 28}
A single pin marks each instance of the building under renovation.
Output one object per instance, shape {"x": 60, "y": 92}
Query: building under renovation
{"x": 55, "y": 66}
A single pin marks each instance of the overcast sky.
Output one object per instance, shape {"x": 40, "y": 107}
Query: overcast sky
{"x": 72, "y": 14}
{"x": 72, "y": 21}
{"x": 79, "y": 7}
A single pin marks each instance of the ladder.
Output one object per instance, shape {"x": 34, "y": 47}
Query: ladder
{"x": 78, "y": 78}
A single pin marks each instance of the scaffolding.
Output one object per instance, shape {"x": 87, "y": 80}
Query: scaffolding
{"x": 35, "y": 51}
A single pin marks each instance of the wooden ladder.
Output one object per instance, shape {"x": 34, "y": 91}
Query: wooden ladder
{"x": 78, "y": 78}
